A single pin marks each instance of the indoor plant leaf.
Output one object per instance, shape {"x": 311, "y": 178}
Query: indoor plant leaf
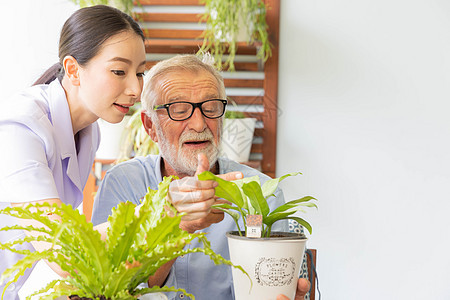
{"x": 253, "y": 191}
{"x": 296, "y": 203}
{"x": 226, "y": 189}
{"x": 269, "y": 187}
{"x": 136, "y": 246}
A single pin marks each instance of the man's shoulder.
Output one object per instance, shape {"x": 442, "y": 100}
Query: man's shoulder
{"x": 227, "y": 165}
{"x": 135, "y": 166}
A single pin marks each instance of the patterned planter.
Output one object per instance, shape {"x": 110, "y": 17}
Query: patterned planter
{"x": 273, "y": 264}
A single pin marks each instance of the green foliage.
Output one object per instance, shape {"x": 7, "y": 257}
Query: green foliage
{"x": 135, "y": 138}
{"x": 124, "y": 5}
{"x": 233, "y": 114}
{"x": 249, "y": 198}
{"x": 136, "y": 245}
{"x": 224, "y": 19}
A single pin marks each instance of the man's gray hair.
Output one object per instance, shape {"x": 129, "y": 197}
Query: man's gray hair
{"x": 187, "y": 62}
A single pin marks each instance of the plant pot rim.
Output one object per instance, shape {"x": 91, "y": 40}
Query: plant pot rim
{"x": 284, "y": 236}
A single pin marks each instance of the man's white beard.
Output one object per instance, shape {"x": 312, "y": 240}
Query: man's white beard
{"x": 185, "y": 161}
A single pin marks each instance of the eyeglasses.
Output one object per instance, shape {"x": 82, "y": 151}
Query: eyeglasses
{"x": 182, "y": 110}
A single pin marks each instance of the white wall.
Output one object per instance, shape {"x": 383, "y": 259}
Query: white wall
{"x": 29, "y": 34}
{"x": 363, "y": 98}
{"x": 29, "y": 40}
{"x": 364, "y": 102}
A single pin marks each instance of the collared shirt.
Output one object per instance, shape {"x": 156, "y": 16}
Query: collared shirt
{"x": 195, "y": 272}
{"x": 38, "y": 158}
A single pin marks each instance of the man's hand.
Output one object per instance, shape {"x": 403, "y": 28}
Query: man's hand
{"x": 195, "y": 198}
{"x": 302, "y": 289}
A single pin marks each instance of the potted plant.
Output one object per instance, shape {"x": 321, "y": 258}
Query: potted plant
{"x": 272, "y": 259}
{"x": 135, "y": 141}
{"x": 139, "y": 240}
{"x": 124, "y": 5}
{"x": 237, "y": 135}
{"x": 231, "y": 21}
{"x": 112, "y": 135}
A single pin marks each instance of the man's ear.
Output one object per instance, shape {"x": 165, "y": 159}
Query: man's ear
{"x": 149, "y": 126}
{"x": 72, "y": 70}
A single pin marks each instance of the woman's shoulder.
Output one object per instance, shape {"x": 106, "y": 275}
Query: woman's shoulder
{"x": 29, "y": 104}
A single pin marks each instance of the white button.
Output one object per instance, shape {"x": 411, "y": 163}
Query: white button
{"x": 182, "y": 256}
{"x": 181, "y": 296}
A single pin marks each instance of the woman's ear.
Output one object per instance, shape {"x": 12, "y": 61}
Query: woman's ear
{"x": 72, "y": 70}
{"x": 148, "y": 125}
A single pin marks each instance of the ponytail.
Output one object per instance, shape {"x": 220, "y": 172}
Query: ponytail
{"x": 55, "y": 71}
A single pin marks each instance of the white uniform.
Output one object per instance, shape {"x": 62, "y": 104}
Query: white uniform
{"x": 39, "y": 159}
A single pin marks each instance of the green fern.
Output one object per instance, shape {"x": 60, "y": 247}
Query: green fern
{"x": 135, "y": 247}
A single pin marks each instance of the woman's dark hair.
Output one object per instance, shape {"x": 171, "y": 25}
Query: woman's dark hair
{"x": 83, "y": 34}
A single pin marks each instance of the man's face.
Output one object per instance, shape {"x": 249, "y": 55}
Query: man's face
{"x": 180, "y": 142}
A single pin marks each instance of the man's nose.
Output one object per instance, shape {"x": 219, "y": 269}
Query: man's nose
{"x": 197, "y": 121}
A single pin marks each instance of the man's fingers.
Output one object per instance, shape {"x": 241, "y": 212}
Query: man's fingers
{"x": 221, "y": 201}
{"x": 196, "y": 210}
{"x": 188, "y": 184}
{"x": 196, "y": 196}
{"x": 302, "y": 288}
{"x": 203, "y": 163}
{"x": 231, "y": 176}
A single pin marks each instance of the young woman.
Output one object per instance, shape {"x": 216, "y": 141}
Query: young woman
{"x": 50, "y": 137}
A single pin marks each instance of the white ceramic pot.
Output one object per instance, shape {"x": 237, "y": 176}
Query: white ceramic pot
{"x": 273, "y": 265}
{"x": 237, "y": 138}
{"x": 111, "y": 135}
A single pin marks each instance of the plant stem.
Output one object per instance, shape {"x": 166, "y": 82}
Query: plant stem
{"x": 237, "y": 225}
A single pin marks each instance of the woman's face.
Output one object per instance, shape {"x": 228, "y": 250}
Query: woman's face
{"x": 112, "y": 81}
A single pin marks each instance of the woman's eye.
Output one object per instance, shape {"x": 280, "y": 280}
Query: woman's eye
{"x": 140, "y": 74}
{"x": 118, "y": 72}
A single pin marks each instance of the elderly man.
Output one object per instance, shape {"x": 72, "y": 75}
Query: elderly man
{"x": 183, "y": 103}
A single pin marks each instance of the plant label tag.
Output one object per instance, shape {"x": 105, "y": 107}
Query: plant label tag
{"x": 254, "y": 226}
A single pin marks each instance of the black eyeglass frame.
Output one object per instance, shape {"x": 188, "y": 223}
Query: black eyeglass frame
{"x": 194, "y": 106}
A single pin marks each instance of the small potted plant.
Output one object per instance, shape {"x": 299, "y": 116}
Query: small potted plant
{"x": 135, "y": 141}
{"x": 112, "y": 135}
{"x": 124, "y": 5}
{"x": 237, "y": 136}
{"x": 229, "y": 22}
{"x": 139, "y": 240}
{"x": 272, "y": 259}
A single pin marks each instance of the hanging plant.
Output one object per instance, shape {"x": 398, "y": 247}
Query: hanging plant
{"x": 231, "y": 21}
{"x": 124, "y": 5}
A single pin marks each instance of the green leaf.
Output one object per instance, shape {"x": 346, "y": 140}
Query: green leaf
{"x": 226, "y": 189}
{"x": 120, "y": 216}
{"x": 22, "y": 265}
{"x": 120, "y": 278}
{"x": 303, "y": 223}
{"x": 253, "y": 191}
{"x": 269, "y": 187}
{"x": 295, "y": 203}
{"x": 273, "y": 217}
{"x": 136, "y": 246}
{"x": 59, "y": 287}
